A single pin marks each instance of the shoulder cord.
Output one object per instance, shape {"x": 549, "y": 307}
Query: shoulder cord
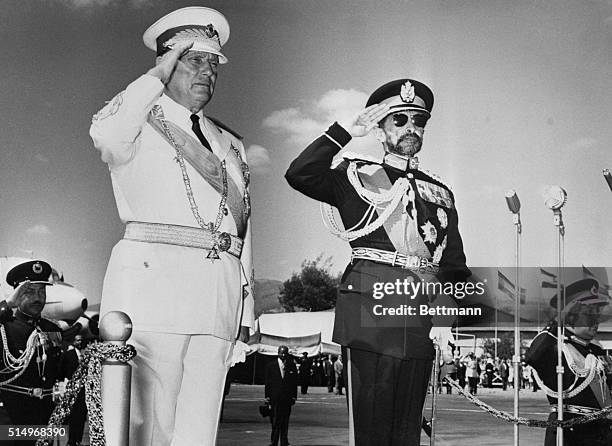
{"x": 158, "y": 114}
{"x": 21, "y": 363}
{"x": 393, "y": 196}
{"x": 591, "y": 366}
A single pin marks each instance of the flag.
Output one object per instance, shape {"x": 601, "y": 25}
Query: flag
{"x": 506, "y": 286}
{"x": 587, "y": 274}
{"x": 548, "y": 280}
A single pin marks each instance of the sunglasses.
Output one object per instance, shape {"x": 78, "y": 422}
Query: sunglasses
{"x": 417, "y": 119}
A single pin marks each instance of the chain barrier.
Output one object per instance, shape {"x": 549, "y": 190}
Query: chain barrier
{"x": 88, "y": 375}
{"x": 601, "y": 414}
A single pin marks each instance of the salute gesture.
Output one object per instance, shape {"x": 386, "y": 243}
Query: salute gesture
{"x": 365, "y": 120}
{"x": 165, "y": 64}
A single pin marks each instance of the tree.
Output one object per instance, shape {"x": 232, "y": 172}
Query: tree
{"x": 505, "y": 346}
{"x": 314, "y": 288}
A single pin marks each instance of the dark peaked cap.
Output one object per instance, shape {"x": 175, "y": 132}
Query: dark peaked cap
{"x": 36, "y": 271}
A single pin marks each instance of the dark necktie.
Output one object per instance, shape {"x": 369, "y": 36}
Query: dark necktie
{"x": 198, "y": 131}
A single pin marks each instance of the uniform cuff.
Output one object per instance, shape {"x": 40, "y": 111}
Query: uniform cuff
{"x": 338, "y": 134}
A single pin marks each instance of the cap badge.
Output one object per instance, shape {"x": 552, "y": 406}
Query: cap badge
{"x": 37, "y": 268}
{"x": 407, "y": 92}
{"x": 207, "y": 32}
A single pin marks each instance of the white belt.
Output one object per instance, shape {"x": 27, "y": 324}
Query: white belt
{"x": 183, "y": 236}
{"x": 395, "y": 259}
{"x": 570, "y": 408}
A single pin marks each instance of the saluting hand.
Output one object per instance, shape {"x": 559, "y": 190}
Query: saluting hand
{"x": 365, "y": 120}
{"x": 165, "y": 64}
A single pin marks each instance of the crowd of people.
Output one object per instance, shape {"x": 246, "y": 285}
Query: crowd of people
{"x": 485, "y": 372}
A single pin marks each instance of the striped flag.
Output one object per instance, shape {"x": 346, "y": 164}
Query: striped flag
{"x": 547, "y": 279}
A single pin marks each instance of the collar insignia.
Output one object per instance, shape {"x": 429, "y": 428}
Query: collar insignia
{"x": 407, "y": 92}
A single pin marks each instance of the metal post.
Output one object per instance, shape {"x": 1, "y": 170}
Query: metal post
{"x": 558, "y": 221}
{"x": 116, "y": 328}
{"x": 436, "y": 371}
{"x": 516, "y": 359}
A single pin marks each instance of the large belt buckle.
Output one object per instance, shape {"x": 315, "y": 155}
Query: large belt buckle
{"x": 412, "y": 262}
{"x": 224, "y": 241}
{"x": 37, "y": 392}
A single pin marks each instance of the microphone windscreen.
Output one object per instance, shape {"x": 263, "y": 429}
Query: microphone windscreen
{"x": 513, "y": 202}
{"x": 555, "y": 197}
{"x": 608, "y": 176}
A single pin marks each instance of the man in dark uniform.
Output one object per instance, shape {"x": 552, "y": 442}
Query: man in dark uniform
{"x": 32, "y": 349}
{"x": 71, "y": 358}
{"x": 402, "y": 227}
{"x": 305, "y": 371}
{"x": 584, "y": 363}
{"x": 281, "y": 394}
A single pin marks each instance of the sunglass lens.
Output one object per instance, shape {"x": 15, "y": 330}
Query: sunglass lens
{"x": 400, "y": 119}
{"x": 419, "y": 120}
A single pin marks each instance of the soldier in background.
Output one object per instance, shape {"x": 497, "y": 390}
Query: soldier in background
{"x": 583, "y": 359}
{"x": 32, "y": 349}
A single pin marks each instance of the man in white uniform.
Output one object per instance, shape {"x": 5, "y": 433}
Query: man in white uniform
{"x": 183, "y": 271}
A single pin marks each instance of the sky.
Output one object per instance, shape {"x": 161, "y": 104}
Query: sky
{"x": 522, "y": 89}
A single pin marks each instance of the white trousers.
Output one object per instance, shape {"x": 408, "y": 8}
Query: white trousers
{"x": 177, "y": 388}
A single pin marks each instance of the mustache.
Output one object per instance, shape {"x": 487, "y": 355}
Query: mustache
{"x": 409, "y": 137}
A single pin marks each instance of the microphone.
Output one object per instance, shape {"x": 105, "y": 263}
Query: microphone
{"x": 513, "y": 202}
{"x": 608, "y": 176}
{"x": 555, "y": 198}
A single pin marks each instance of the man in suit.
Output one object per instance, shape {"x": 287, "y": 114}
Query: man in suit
{"x": 328, "y": 368}
{"x": 71, "y": 358}
{"x": 183, "y": 271}
{"x": 402, "y": 226}
{"x": 585, "y": 365}
{"x": 281, "y": 394}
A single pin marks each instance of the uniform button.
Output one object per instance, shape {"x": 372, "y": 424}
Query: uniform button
{"x": 225, "y": 211}
{"x": 410, "y": 176}
{"x": 350, "y": 287}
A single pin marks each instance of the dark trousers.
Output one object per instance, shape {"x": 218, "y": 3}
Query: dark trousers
{"x": 76, "y": 419}
{"x": 26, "y": 410}
{"x": 473, "y": 384}
{"x": 387, "y": 396}
{"x": 331, "y": 382}
{"x": 596, "y": 433}
{"x": 281, "y": 410}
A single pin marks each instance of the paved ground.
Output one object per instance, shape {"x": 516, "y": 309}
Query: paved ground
{"x": 320, "y": 419}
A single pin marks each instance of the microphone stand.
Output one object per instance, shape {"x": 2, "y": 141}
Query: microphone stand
{"x": 516, "y": 359}
{"x": 558, "y": 222}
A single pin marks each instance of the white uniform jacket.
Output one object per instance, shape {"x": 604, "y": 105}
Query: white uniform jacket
{"x": 168, "y": 288}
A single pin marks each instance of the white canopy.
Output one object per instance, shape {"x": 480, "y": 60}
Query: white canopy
{"x": 309, "y": 332}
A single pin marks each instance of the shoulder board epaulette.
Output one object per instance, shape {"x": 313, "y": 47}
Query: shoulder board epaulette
{"x": 349, "y": 157}
{"x": 436, "y": 178}
{"x": 354, "y": 156}
{"x": 222, "y": 126}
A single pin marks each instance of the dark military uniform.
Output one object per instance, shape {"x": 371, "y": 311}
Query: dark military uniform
{"x": 28, "y": 399}
{"x": 390, "y": 357}
{"x": 542, "y": 356}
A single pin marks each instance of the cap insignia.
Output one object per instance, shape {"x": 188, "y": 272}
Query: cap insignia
{"x": 37, "y": 268}
{"x": 207, "y": 32}
{"x": 407, "y": 92}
